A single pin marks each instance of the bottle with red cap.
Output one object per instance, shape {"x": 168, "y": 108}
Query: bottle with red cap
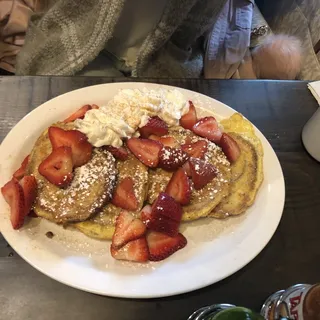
{"x": 299, "y": 302}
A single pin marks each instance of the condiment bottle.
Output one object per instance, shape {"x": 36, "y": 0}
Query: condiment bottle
{"x": 298, "y": 302}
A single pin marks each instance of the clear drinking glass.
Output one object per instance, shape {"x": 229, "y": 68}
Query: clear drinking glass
{"x": 311, "y": 135}
{"x": 225, "y": 312}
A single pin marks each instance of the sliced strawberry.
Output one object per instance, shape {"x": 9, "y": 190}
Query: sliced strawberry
{"x": 179, "y": 187}
{"x": 128, "y": 228}
{"x": 197, "y": 149}
{"x": 188, "y": 140}
{"x": 136, "y": 250}
{"x": 33, "y": 214}
{"x": 156, "y": 126}
{"x": 166, "y": 206}
{"x": 146, "y": 150}
{"x": 119, "y": 153}
{"x": 202, "y": 172}
{"x": 13, "y": 194}
{"x": 124, "y": 197}
{"x": 187, "y": 169}
{"x": 230, "y": 148}
{"x": 161, "y": 246}
{"x": 94, "y": 106}
{"x": 172, "y": 158}
{"x": 160, "y": 223}
{"x": 29, "y": 187}
{"x": 189, "y": 119}
{"x": 166, "y": 141}
{"x": 57, "y": 167}
{"x": 22, "y": 170}
{"x": 79, "y": 114}
{"x": 76, "y": 140}
{"x": 208, "y": 128}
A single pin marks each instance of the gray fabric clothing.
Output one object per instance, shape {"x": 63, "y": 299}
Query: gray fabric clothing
{"x": 182, "y": 56}
{"x": 101, "y": 66}
{"x": 65, "y": 39}
{"x": 300, "y": 18}
{"x": 133, "y": 26}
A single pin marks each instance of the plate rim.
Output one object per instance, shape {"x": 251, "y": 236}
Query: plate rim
{"x": 139, "y": 295}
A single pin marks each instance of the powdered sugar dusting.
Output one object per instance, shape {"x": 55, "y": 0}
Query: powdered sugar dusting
{"x": 139, "y": 173}
{"x": 159, "y": 179}
{"x": 91, "y": 187}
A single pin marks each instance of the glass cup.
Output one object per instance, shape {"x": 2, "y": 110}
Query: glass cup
{"x": 225, "y": 312}
{"x": 311, "y": 135}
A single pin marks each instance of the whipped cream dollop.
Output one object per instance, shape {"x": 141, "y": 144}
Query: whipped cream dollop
{"x": 129, "y": 110}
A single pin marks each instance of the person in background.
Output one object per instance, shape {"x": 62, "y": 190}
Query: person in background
{"x": 14, "y": 19}
{"x": 155, "y": 38}
{"x": 299, "y": 18}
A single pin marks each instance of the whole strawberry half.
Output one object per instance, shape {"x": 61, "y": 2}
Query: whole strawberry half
{"x": 76, "y": 140}
{"x": 202, "y": 172}
{"x": 119, "y": 153}
{"x": 172, "y": 158}
{"x": 29, "y": 187}
{"x": 13, "y": 194}
{"x": 164, "y": 215}
{"x": 197, "y": 149}
{"x": 124, "y": 197}
{"x": 179, "y": 187}
{"x": 145, "y": 150}
{"x": 230, "y": 147}
{"x": 58, "y": 166}
{"x": 158, "y": 222}
{"x": 166, "y": 206}
{"x": 189, "y": 119}
{"x": 19, "y": 174}
{"x": 79, "y": 114}
{"x": 128, "y": 228}
{"x": 208, "y": 128}
{"x": 161, "y": 246}
{"x": 155, "y": 126}
{"x": 136, "y": 250}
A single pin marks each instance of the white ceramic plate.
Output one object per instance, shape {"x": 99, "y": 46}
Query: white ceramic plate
{"x": 215, "y": 249}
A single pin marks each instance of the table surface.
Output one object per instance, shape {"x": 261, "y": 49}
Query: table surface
{"x": 279, "y": 109}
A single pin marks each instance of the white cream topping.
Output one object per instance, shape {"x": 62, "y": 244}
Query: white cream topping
{"x": 174, "y": 108}
{"x": 129, "y": 110}
{"x": 104, "y": 129}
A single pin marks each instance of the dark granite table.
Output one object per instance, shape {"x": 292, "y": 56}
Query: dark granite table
{"x": 279, "y": 109}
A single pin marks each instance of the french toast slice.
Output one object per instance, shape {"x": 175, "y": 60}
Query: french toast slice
{"x": 246, "y": 172}
{"x": 203, "y": 200}
{"x": 101, "y": 225}
{"x": 243, "y": 187}
{"x": 90, "y": 189}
